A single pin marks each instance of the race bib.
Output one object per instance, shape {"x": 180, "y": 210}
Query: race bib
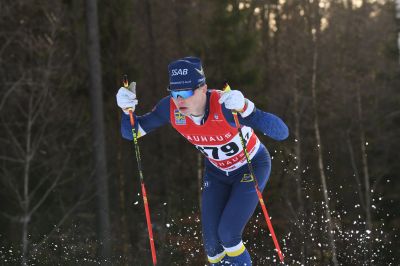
{"x": 229, "y": 155}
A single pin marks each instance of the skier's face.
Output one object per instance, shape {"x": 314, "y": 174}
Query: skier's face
{"x": 195, "y": 104}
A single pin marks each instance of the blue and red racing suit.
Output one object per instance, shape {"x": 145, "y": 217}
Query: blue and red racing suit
{"x": 228, "y": 198}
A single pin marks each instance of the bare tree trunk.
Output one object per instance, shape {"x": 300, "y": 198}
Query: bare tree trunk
{"x": 123, "y": 220}
{"x": 355, "y": 169}
{"x": 315, "y": 34}
{"x": 297, "y": 152}
{"x": 364, "y": 162}
{"x": 26, "y": 199}
{"x": 266, "y": 42}
{"x": 99, "y": 152}
{"x": 398, "y": 26}
{"x": 25, "y": 240}
{"x": 276, "y": 43}
{"x": 179, "y": 10}
{"x": 152, "y": 41}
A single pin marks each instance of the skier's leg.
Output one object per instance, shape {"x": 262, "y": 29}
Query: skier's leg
{"x": 240, "y": 207}
{"x": 214, "y": 197}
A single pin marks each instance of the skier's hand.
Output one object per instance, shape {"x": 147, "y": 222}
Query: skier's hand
{"x": 126, "y": 98}
{"x": 233, "y": 100}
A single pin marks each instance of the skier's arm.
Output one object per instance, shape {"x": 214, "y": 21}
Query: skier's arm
{"x": 146, "y": 123}
{"x": 250, "y": 116}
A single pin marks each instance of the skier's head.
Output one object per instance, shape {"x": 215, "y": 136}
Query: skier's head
{"x": 185, "y": 74}
{"x": 187, "y": 85}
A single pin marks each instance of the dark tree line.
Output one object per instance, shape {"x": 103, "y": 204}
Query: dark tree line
{"x": 330, "y": 69}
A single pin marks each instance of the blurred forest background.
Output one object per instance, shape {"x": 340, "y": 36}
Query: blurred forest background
{"x": 69, "y": 191}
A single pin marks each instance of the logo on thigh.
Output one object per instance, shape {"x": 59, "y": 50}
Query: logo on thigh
{"x": 247, "y": 178}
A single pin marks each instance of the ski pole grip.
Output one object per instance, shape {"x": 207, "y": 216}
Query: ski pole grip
{"x": 125, "y": 83}
{"x": 227, "y": 87}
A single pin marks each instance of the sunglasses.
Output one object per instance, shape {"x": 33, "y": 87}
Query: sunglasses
{"x": 184, "y": 93}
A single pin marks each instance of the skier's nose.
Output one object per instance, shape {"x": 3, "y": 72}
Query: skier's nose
{"x": 180, "y": 100}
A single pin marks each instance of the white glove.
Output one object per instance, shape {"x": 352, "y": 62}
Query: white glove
{"x": 126, "y": 98}
{"x": 233, "y": 100}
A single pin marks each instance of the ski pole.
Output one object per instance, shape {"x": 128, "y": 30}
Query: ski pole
{"x": 144, "y": 194}
{"x": 260, "y": 198}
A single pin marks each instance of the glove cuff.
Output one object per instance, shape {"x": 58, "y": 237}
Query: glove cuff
{"x": 247, "y": 109}
{"x": 126, "y": 110}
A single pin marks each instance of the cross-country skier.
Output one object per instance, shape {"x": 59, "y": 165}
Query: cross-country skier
{"x": 204, "y": 117}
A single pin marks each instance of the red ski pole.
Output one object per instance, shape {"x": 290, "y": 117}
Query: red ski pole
{"x": 260, "y": 198}
{"x": 144, "y": 194}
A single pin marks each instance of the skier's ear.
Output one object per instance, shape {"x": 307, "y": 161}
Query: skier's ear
{"x": 204, "y": 88}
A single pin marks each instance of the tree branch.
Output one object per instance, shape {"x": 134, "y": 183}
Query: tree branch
{"x": 53, "y": 185}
